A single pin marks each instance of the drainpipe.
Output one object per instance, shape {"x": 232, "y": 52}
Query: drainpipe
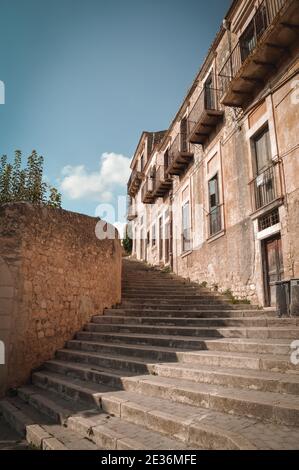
{"x": 227, "y": 26}
{"x": 171, "y": 247}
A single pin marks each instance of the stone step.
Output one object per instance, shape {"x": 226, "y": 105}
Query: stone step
{"x": 98, "y": 429}
{"x": 240, "y": 378}
{"x": 119, "y": 362}
{"x": 198, "y": 331}
{"x": 39, "y": 430}
{"x": 170, "y": 321}
{"x": 272, "y": 407}
{"x": 148, "y": 296}
{"x": 162, "y": 287}
{"x": 183, "y": 342}
{"x": 173, "y": 300}
{"x": 154, "y": 313}
{"x": 239, "y": 360}
{"x": 264, "y": 406}
{"x": 165, "y": 353}
{"x": 179, "y": 306}
{"x": 250, "y": 379}
{"x": 194, "y": 426}
{"x": 10, "y": 439}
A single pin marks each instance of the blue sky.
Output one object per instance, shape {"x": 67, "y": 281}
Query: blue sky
{"x": 84, "y": 78}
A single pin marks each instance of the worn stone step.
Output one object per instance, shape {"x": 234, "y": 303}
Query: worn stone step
{"x": 173, "y": 300}
{"x": 110, "y": 378}
{"x": 137, "y": 351}
{"x": 121, "y": 362}
{"x": 183, "y": 342}
{"x": 168, "y": 296}
{"x": 251, "y": 379}
{"x": 264, "y": 406}
{"x": 133, "y": 409}
{"x": 113, "y": 433}
{"x": 240, "y": 360}
{"x": 170, "y": 321}
{"x": 161, "y": 287}
{"x": 183, "y": 306}
{"x": 194, "y": 426}
{"x": 272, "y": 407}
{"x": 83, "y": 365}
{"x": 10, "y": 439}
{"x": 154, "y": 313}
{"x": 198, "y": 331}
{"x": 58, "y": 411}
{"x": 165, "y": 353}
{"x": 39, "y": 430}
{"x": 104, "y": 431}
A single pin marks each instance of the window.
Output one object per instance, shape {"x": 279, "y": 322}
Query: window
{"x": 186, "y": 229}
{"x": 148, "y": 237}
{"x": 215, "y": 223}
{"x": 184, "y": 129}
{"x": 268, "y": 220}
{"x": 209, "y": 93}
{"x": 142, "y": 162}
{"x": 154, "y": 235}
{"x": 264, "y": 183}
{"x": 166, "y": 159}
{"x": 262, "y": 151}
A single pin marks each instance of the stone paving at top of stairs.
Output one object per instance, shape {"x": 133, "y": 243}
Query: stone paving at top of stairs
{"x": 175, "y": 366}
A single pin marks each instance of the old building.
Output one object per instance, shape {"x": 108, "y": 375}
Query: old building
{"x": 216, "y": 196}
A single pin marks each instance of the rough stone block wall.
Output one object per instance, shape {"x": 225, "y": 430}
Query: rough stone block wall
{"x": 224, "y": 264}
{"x": 54, "y": 276}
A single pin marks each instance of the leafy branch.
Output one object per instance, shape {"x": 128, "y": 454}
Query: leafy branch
{"x": 26, "y": 184}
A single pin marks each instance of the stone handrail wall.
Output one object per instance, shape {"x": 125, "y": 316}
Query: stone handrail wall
{"x": 55, "y": 274}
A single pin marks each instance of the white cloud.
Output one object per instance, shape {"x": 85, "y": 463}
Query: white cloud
{"x": 79, "y": 183}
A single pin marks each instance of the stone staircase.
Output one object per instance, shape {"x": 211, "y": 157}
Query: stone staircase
{"x": 173, "y": 367}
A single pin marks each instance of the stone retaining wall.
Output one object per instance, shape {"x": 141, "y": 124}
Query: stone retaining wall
{"x": 54, "y": 276}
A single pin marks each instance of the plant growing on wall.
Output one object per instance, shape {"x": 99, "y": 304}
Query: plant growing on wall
{"x": 26, "y": 184}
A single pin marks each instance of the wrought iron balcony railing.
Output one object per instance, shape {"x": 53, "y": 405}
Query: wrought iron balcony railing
{"x": 258, "y": 49}
{"x": 266, "y": 187}
{"x": 215, "y": 220}
{"x": 180, "y": 154}
{"x": 205, "y": 115}
{"x": 134, "y": 182}
{"x": 186, "y": 240}
{"x": 163, "y": 181}
{"x": 147, "y": 191}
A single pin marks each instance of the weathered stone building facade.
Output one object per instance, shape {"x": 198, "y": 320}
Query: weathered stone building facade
{"x": 216, "y": 196}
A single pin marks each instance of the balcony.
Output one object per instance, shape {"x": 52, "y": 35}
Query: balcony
{"x": 163, "y": 181}
{"x": 147, "y": 191}
{"x": 134, "y": 182}
{"x": 266, "y": 187}
{"x": 180, "y": 155}
{"x": 204, "y": 116}
{"x": 132, "y": 213}
{"x": 260, "y": 49}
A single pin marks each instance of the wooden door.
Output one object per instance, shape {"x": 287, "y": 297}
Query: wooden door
{"x": 160, "y": 239}
{"x": 273, "y": 268}
{"x": 167, "y": 242}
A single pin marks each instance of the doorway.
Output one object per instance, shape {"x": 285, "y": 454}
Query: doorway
{"x": 272, "y": 267}
{"x": 160, "y": 239}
